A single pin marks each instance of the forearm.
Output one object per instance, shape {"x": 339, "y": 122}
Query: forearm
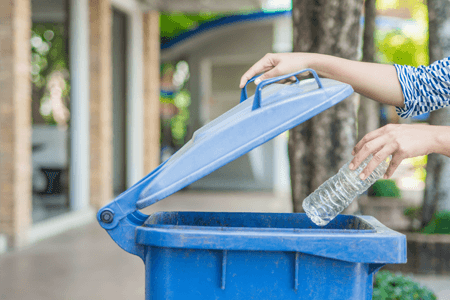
{"x": 375, "y": 81}
{"x": 441, "y": 138}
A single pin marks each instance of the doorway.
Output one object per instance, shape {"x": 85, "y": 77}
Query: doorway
{"x": 50, "y": 109}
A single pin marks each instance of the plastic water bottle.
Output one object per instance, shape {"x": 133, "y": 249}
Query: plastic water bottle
{"x": 335, "y": 194}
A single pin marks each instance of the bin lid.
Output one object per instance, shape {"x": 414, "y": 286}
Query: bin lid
{"x": 273, "y": 109}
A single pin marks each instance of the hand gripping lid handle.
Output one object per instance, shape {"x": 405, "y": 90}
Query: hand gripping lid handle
{"x": 257, "y": 100}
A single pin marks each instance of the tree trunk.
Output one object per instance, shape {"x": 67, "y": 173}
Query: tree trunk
{"x": 369, "y": 110}
{"x": 320, "y": 146}
{"x": 437, "y": 191}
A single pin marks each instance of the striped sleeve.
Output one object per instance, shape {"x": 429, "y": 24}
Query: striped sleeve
{"x": 424, "y": 88}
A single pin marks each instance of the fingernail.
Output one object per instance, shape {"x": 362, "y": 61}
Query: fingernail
{"x": 362, "y": 176}
{"x": 351, "y": 166}
{"x": 385, "y": 176}
{"x": 353, "y": 153}
{"x": 257, "y": 81}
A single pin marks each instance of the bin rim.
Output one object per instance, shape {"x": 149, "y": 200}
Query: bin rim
{"x": 378, "y": 245}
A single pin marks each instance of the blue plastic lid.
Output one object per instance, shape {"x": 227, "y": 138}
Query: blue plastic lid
{"x": 270, "y": 112}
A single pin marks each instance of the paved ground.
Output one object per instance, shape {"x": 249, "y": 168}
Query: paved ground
{"x": 440, "y": 285}
{"x": 85, "y": 263}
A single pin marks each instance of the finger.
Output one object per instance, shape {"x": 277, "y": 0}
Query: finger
{"x": 269, "y": 74}
{"x": 368, "y": 148}
{"x": 264, "y": 64}
{"x": 393, "y": 165}
{"x": 376, "y": 160}
{"x": 367, "y": 138}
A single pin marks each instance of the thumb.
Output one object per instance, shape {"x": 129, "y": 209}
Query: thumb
{"x": 269, "y": 74}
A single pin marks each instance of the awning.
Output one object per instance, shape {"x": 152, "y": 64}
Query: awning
{"x": 203, "y": 5}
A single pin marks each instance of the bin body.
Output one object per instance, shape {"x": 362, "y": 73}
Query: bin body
{"x": 176, "y": 274}
{"x": 203, "y": 255}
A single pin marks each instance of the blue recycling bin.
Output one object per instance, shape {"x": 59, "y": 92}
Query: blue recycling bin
{"x": 213, "y": 255}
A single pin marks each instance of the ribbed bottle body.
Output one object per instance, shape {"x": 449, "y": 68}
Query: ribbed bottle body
{"x": 335, "y": 194}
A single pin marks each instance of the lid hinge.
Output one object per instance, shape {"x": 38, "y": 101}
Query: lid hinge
{"x": 121, "y": 217}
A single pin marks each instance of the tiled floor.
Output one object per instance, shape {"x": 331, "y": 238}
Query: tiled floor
{"x": 80, "y": 264}
{"x": 48, "y": 206}
{"x": 440, "y": 285}
{"x": 85, "y": 263}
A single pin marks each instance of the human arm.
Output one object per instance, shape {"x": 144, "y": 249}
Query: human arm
{"x": 425, "y": 88}
{"x": 376, "y": 81}
{"x": 412, "y": 90}
{"x": 401, "y": 141}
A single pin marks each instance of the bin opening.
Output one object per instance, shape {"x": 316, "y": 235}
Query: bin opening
{"x": 298, "y": 222}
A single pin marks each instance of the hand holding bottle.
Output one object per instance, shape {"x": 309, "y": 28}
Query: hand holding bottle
{"x": 401, "y": 141}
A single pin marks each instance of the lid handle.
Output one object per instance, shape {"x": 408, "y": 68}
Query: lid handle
{"x": 257, "y": 100}
{"x": 244, "y": 89}
{"x": 244, "y": 95}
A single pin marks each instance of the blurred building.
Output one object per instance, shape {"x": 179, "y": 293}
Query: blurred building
{"x": 218, "y": 53}
{"x": 54, "y": 177}
{"x": 105, "y": 134}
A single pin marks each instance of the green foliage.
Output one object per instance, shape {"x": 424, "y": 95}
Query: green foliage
{"x": 175, "y": 77}
{"x": 48, "y": 54}
{"x": 396, "y": 47}
{"x": 408, "y": 45}
{"x": 389, "y": 286}
{"x": 385, "y": 188}
{"x": 439, "y": 224}
{"x": 179, "y": 123}
{"x": 173, "y": 24}
{"x": 413, "y": 212}
{"x": 48, "y": 50}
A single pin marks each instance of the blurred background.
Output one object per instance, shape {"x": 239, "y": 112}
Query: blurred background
{"x": 97, "y": 93}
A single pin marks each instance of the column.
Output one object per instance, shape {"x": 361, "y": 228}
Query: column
{"x": 15, "y": 121}
{"x": 151, "y": 91}
{"x": 79, "y": 104}
{"x": 135, "y": 99}
{"x": 101, "y": 126}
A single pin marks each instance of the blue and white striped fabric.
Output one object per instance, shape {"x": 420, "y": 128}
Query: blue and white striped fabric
{"x": 424, "y": 88}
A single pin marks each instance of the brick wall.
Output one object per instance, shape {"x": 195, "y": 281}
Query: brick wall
{"x": 15, "y": 120}
{"x": 151, "y": 91}
{"x": 101, "y": 126}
